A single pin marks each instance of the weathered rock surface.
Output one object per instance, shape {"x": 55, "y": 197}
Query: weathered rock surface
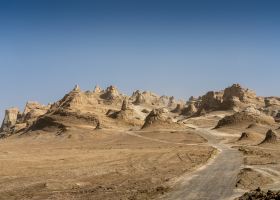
{"x": 272, "y": 101}
{"x": 15, "y": 121}
{"x": 270, "y": 138}
{"x": 211, "y": 101}
{"x": 244, "y": 136}
{"x": 248, "y": 116}
{"x": 10, "y": 120}
{"x": 128, "y": 114}
{"x": 178, "y": 109}
{"x": 125, "y": 105}
{"x": 236, "y": 93}
{"x": 110, "y": 93}
{"x": 74, "y": 99}
{"x": 234, "y": 97}
{"x": 147, "y": 98}
{"x": 249, "y": 178}
{"x": 77, "y": 88}
{"x": 33, "y": 110}
{"x": 138, "y": 98}
{"x": 258, "y": 194}
{"x": 155, "y": 116}
{"x": 189, "y": 110}
{"x": 97, "y": 89}
{"x": 159, "y": 118}
{"x": 272, "y": 107}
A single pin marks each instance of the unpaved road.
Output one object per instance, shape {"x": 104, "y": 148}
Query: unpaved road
{"x": 216, "y": 180}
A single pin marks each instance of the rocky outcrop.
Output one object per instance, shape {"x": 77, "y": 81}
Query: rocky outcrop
{"x": 277, "y": 116}
{"x": 33, "y": 110}
{"x": 244, "y": 136}
{"x": 127, "y": 114}
{"x": 189, "y": 110}
{"x": 249, "y": 178}
{"x": 270, "y": 138}
{"x": 77, "y": 88}
{"x": 75, "y": 99}
{"x": 110, "y": 93}
{"x": 272, "y": 107}
{"x": 192, "y": 99}
{"x": 272, "y": 101}
{"x": 155, "y": 116}
{"x": 258, "y": 194}
{"x": 97, "y": 89}
{"x": 47, "y": 123}
{"x": 15, "y": 121}
{"x": 10, "y": 120}
{"x": 236, "y": 96}
{"x": 211, "y": 101}
{"x": 158, "y": 118}
{"x": 110, "y": 104}
{"x": 236, "y": 90}
{"x": 172, "y": 102}
{"x": 125, "y": 105}
{"x": 248, "y": 116}
{"x": 137, "y": 98}
{"x": 178, "y": 109}
{"x": 147, "y": 98}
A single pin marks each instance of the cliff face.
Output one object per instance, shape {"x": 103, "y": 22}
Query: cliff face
{"x": 238, "y": 97}
{"x": 10, "y": 119}
{"x": 15, "y": 121}
{"x": 211, "y": 101}
{"x": 32, "y": 111}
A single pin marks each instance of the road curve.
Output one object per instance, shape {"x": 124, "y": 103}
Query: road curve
{"x": 216, "y": 180}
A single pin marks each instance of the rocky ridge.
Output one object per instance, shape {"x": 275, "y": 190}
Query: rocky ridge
{"x": 110, "y": 108}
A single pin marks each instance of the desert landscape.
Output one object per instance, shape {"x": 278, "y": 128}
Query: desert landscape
{"x": 102, "y": 144}
{"x": 139, "y": 100}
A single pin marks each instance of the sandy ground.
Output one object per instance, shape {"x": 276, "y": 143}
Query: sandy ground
{"x": 239, "y": 166}
{"x": 87, "y": 164}
{"x": 217, "y": 179}
{"x": 261, "y": 163}
{"x": 195, "y": 163}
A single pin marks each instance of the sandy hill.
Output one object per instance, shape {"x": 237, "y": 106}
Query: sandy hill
{"x": 128, "y": 114}
{"x": 249, "y": 138}
{"x": 245, "y": 118}
{"x": 270, "y": 138}
{"x": 159, "y": 119}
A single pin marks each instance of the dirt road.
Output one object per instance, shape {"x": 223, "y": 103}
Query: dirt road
{"x": 214, "y": 181}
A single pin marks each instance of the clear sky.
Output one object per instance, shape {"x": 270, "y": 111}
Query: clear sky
{"x": 175, "y": 47}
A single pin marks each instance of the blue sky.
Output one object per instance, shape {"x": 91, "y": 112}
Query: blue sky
{"x": 175, "y": 47}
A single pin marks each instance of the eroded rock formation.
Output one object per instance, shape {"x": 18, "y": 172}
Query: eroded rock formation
{"x": 246, "y": 117}
{"x": 270, "y": 138}
{"x": 110, "y": 93}
{"x": 10, "y": 120}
